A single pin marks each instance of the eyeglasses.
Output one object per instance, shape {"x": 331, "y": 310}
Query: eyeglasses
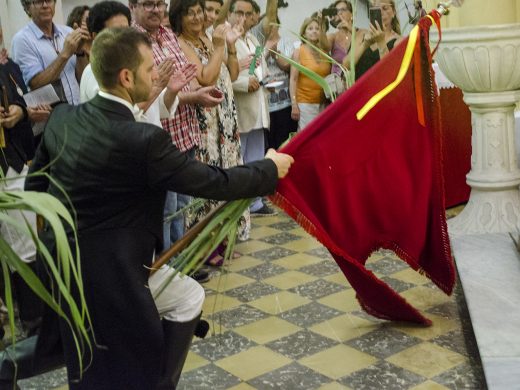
{"x": 241, "y": 14}
{"x": 39, "y": 3}
{"x": 150, "y": 5}
{"x": 338, "y": 10}
{"x": 192, "y": 14}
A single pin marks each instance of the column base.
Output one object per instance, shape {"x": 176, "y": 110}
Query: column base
{"x": 488, "y": 212}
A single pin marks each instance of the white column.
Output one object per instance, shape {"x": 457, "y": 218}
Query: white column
{"x": 484, "y": 62}
{"x": 494, "y": 204}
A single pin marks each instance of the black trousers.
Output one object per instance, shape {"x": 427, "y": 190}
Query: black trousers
{"x": 281, "y": 126}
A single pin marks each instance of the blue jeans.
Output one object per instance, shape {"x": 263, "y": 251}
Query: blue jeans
{"x": 253, "y": 149}
{"x": 173, "y": 230}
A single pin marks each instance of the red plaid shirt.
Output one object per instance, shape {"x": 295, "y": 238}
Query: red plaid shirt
{"x": 184, "y": 127}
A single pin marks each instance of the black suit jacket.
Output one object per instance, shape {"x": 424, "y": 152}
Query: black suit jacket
{"x": 116, "y": 173}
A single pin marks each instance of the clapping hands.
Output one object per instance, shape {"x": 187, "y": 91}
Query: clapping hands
{"x": 182, "y": 77}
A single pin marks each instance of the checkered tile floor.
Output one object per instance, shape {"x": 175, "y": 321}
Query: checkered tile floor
{"x": 284, "y": 317}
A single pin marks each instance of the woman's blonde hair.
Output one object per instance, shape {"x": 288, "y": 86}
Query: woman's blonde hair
{"x": 304, "y": 26}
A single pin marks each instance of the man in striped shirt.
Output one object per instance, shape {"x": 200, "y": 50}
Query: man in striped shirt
{"x": 184, "y": 127}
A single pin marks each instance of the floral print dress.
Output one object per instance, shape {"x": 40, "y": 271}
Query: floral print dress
{"x": 220, "y": 140}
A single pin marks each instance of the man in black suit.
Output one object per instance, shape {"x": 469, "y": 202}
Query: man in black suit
{"x": 116, "y": 172}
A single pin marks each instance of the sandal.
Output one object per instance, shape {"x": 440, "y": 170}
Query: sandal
{"x": 215, "y": 259}
{"x": 222, "y": 251}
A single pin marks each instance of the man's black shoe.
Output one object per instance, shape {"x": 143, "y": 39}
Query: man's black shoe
{"x": 201, "y": 275}
{"x": 264, "y": 211}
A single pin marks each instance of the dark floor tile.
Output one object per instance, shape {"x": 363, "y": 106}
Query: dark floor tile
{"x": 321, "y": 269}
{"x": 291, "y": 377}
{"x": 309, "y": 314}
{"x": 382, "y": 375}
{"x": 453, "y": 340}
{"x": 263, "y": 271}
{"x": 397, "y": 285}
{"x": 387, "y": 265}
{"x": 273, "y": 253}
{"x": 238, "y": 316}
{"x": 464, "y": 376}
{"x": 285, "y": 225}
{"x": 222, "y": 345}
{"x": 280, "y": 238}
{"x": 447, "y": 310}
{"x": 301, "y": 344}
{"x": 321, "y": 252}
{"x": 208, "y": 377}
{"x": 317, "y": 289}
{"x": 383, "y": 342}
{"x": 252, "y": 291}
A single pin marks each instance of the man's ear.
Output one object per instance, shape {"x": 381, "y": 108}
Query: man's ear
{"x": 126, "y": 78}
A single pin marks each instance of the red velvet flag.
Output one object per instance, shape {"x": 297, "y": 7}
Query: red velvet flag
{"x": 361, "y": 185}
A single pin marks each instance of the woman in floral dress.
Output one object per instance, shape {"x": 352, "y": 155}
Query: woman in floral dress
{"x": 220, "y": 141}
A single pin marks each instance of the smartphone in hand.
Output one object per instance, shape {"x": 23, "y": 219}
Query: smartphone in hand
{"x": 216, "y": 93}
{"x": 375, "y": 15}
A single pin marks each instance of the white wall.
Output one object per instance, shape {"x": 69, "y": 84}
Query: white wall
{"x": 291, "y": 17}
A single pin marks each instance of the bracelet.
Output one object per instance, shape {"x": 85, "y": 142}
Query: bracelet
{"x": 232, "y": 53}
{"x": 81, "y": 54}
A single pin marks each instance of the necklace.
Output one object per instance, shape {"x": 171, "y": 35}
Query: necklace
{"x": 197, "y": 44}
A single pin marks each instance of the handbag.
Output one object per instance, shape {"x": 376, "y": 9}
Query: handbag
{"x": 336, "y": 84}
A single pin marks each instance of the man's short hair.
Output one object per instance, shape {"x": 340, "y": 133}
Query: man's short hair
{"x": 115, "y": 49}
{"x": 221, "y": 2}
{"x": 103, "y": 11}
{"x": 233, "y": 2}
{"x": 25, "y": 5}
{"x": 256, "y": 7}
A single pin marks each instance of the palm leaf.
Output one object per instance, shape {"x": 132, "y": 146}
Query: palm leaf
{"x": 64, "y": 268}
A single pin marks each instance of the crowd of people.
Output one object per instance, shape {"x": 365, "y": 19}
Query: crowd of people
{"x": 164, "y": 103}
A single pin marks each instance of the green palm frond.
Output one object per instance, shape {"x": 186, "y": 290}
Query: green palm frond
{"x": 64, "y": 268}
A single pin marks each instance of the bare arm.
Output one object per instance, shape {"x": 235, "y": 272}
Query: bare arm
{"x": 53, "y": 71}
{"x": 271, "y": 12}
{"x": 324, "y": 41}
{"x": 209, "y": 73}
{"x": 356, "y": 51}
{"x": 232, "y": 60}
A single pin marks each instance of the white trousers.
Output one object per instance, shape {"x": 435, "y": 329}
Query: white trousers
{"x": 182, "y": 299}
{"x": 308, "y": 112}
{"x": 21, "y": 243}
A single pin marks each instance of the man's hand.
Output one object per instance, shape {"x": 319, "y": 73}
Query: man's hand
{"x": 253, "y": 84}
{"x": 204, "y": 98}
{"x": 283, "y": 161}
{"x": 10, "y": 119}
{"x": 182, "y": 77}
{"x": 245, "y": 62}
{"x": 74, "y": 40}
{"x": 40, "y": 113}
{"x": 235, "y": 32}
{"x": 165, "y": 71}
